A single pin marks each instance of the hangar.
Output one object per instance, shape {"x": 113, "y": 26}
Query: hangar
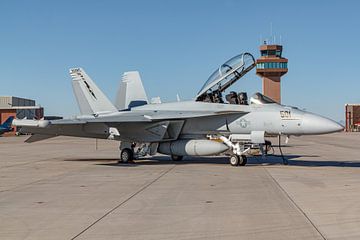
{"x": 19, "y": 108}
{"x": 352, "y": 117}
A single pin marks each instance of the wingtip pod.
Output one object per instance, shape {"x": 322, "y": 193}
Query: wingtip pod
{"x": 30, "y": 123}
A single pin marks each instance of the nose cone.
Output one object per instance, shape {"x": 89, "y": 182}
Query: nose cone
{"x": 314, "y": 124}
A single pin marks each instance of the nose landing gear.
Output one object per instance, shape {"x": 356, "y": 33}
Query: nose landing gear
{"x": 238, "y": 160}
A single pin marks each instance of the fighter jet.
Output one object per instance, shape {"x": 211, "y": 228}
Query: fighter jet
{"x": 6, "y": 126}
{"x": 206, "y": 125}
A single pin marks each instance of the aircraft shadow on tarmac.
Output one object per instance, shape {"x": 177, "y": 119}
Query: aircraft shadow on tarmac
{"x": 270, "y": 160}
{"x": 295, "y": 161}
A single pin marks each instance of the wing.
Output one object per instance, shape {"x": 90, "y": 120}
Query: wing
{"x": 137, "y": 126}
{"x": 126, "y": 131}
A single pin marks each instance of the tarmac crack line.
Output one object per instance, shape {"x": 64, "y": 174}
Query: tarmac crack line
{"x": 294, "y": 203}
{"x": 123, "y": 202}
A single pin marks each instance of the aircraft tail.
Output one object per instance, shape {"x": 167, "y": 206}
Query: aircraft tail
{"x": 8, "y": 122}
{"x": 131, "y": 92}
{"x": 90, "y": 98}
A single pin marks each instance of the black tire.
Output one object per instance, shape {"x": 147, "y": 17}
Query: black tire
{"x": 234, "y": 160}
{"x": 176, "y": 158}
{"x": 126, "y": 155}
{"x": 242, "y": 160}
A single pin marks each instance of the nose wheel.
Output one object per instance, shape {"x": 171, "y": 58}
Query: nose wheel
{"x": 236, "y": 160}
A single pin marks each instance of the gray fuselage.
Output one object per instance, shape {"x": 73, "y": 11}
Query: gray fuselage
{"x": 273, "y": 118}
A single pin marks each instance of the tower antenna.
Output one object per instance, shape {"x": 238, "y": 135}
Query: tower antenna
{"x": 271, "y": 30}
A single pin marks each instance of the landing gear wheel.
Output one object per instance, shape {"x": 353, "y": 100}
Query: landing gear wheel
{"x": 176, "y": 158}
{"x": 242, "y": 160}
{"x": 126, "y": 155}
{"x": 234, "y": 160}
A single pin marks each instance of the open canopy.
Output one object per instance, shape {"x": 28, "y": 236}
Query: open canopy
{"x": 227, "y": 74}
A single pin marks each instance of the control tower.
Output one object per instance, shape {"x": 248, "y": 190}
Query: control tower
{"x": 271, "y": 66}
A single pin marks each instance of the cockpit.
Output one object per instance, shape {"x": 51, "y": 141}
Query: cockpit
{"x": 259, "y": 98}
{"x": 225, "y": 76}
{"x": 241, "y": 98}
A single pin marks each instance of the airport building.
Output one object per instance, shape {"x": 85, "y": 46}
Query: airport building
{"x": 352, "y": 117}
{"x": 19, "y": 108}
{"x": 271, "y": 66}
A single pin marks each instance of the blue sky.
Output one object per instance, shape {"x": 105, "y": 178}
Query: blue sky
{"x": 176, "y": 45}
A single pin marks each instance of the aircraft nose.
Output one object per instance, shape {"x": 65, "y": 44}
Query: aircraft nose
{"x": 314, "y": 124}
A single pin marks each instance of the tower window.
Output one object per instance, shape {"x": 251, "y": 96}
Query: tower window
{"x": 267, "y": 65}
{"x": 272, "y": 52}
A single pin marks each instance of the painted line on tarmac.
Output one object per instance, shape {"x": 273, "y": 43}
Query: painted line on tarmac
{"x": 125, "y": 201}
{"x": 294, "y": 203}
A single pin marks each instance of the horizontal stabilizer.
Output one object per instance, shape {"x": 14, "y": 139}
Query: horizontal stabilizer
{"x": 90, "y": 98}
{"x": 131, "y": 92}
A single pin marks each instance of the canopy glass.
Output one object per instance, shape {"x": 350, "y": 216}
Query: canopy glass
{"x": 258, "y": 98}
{"x": 227, "y": 71}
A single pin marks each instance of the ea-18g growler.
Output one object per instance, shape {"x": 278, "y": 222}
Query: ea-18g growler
{"x": 210, "y": 124}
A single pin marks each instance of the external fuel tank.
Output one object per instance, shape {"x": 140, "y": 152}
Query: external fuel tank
{"x": 191, "y": 147}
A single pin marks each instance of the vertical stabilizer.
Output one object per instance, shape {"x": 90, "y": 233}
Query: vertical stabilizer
{"x": 90, "y": 98}
{"x": 8, "y": 122}
{"x": 131, "y": 92}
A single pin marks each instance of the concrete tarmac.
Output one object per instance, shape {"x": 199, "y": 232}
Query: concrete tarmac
{"x": 69, "y": 188}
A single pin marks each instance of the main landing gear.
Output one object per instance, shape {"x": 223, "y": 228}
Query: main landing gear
{"x": 238, "y": 160}
{"x": 129, "y": 151}
{"x": 126, "y": 155}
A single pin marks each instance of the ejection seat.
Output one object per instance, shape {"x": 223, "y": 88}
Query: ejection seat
{"x": 243, "y": 98}
{"x": 232, "y": 98}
